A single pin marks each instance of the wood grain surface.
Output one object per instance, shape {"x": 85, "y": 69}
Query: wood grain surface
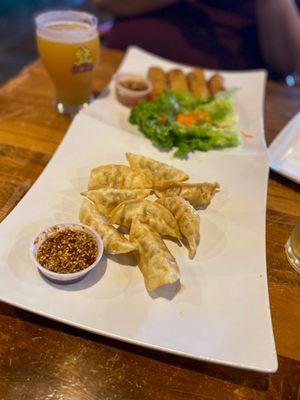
{"x": 41, "y": 359}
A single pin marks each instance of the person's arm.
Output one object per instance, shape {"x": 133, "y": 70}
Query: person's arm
{"x": 279, "y": 34}
{"x": 129, "y": 8}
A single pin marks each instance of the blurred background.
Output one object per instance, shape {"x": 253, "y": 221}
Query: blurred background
{"x": 227, "y": 34}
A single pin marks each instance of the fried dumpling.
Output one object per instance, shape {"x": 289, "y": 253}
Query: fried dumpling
{"x": 197, "y": 194}
{"x": 118, "y": 176}
{"x": 167, "y": 191}
{"x": 106, "y": 199}
{"x": 163, "y": 185}
{"x": 149, "y": 212}
{"x": 156, "y": 263}
{"x": 113, "y": 241}
{"x": 187, "y": 218}
{"x": 158, "y": 171}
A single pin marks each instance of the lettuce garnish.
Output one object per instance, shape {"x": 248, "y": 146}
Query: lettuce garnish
{"x": 179, "y": 120}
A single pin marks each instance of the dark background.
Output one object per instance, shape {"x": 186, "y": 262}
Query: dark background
{"x": 17, "y": 32}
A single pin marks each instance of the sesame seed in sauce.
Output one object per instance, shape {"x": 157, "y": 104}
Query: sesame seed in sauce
{"x": 68, "y": 251}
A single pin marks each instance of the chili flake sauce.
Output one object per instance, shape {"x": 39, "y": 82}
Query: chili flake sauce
{"x": 68, "y": 251}
{"x": 134, "y": 85}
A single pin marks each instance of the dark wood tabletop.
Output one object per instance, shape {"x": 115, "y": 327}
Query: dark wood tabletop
{"x": 45, "y": 360}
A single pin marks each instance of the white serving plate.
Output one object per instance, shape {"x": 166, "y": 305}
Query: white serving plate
{"x": 284, "y": 151}
{"x": 249, "y": 98}
{"x": 222, "y": 314}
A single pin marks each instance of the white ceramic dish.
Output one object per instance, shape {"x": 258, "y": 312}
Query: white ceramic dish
{"x": 54, "y": 276}
{"x": 222, "y": 314}
{"x": 284, "y": 151}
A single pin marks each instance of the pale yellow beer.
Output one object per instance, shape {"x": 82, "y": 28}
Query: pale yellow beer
{"x": 68, "y": 45}
{"x": 292, "y": 247}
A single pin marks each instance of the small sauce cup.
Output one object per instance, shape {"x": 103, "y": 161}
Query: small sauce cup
{"x": 63, "y": 278}
{"x": 127, "y": 88}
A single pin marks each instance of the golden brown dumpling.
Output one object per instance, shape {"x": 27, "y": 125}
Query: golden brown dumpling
{"x": 163, "y": 185}
{"x": 118, "y": 176}
{"x": 106, "y": 199}
{"x": 156, "y": 263}
{"x": 158, "y": 171}
{"x": 113, "y": 241}
{"x": 187, "y": 218}
{"x": 149, "y": 212}
{"x": 197, "y": 194}
{"x": 167, "y": 191}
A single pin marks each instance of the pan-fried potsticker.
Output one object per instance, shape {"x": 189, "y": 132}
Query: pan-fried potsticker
{"x": 106, "y": 199}
{"x": 156, "y": 263}
{"x": 113, "y": 241}
{"x": 197, "y": 194}
{"x": 159, "y": 172}
{"x": 149, "y": 212}
{"x": 187, "y": 218}
{"x": 118, "y": 176}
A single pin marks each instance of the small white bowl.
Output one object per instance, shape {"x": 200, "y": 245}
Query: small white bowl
{"x": 56, "y": 276}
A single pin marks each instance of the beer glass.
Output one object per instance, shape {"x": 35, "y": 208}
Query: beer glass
{"x": 68, "y": 45}
{"x": 292, "y": 247}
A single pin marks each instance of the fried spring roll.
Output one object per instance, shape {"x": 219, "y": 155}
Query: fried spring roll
{"x": 197, "y": 83}
{"x": 216, "y": 84}
{"x": 158, "y": 79}
{"x": 177, "y": 80}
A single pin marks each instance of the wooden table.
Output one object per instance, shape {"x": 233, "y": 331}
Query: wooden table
{"x": 41, "y": 359}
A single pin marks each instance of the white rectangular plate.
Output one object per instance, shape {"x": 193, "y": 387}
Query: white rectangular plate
{"x": 284, "y": 151}
{"x": 222, "y": 312}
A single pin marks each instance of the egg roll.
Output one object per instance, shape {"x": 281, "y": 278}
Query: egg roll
{"x": 197, "y": 83}
{"x": 177, "y": 80}
{"x": 158, "y": 79}
{"x": 216, "y": 84}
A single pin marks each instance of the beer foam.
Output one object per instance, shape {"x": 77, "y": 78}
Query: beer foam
{"x": 66, "y": 26}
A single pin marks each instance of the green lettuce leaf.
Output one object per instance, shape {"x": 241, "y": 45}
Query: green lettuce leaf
{"x": 157, "y": 121}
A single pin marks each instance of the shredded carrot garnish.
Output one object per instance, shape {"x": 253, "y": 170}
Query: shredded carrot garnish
{"x": 246, "y": 134}
{"x": 186, "y": 119}
{"x": 192, "y": 118}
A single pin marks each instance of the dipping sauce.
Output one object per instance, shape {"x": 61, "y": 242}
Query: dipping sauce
{"x": 134, "y": 85}
{"x": 131, "y": 88}
{"x": 68, "y": 251}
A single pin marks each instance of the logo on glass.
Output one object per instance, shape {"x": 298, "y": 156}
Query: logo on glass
{"x": 83, "y": 60}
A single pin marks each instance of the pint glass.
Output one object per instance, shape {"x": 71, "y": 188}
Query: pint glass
{"x": 68, "y": 45}
{"x": 292, "y": 247}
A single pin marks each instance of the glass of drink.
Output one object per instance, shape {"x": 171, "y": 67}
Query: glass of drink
{"x": 68, "y": 45}
{"x": 292, "y": 247}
